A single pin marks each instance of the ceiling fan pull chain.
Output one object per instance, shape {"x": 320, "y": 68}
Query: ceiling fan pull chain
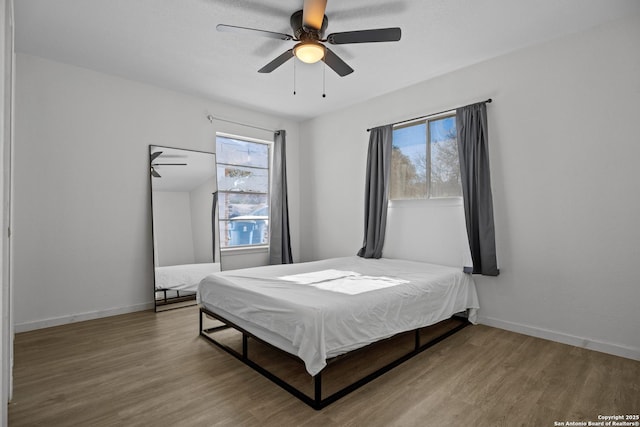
{"x": 324, "y": 69}
{"x": 294, "y": 76}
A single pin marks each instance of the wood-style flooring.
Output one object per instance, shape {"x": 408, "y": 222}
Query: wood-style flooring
{"x": 148, "y": 369}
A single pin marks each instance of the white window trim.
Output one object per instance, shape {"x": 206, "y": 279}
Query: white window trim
{"x": 245, "y": 249}
{"x": 244, "y": 138}
{"x": 442, "y": 201}
{"x": 233, "y": 250}
{"x": 412, "y": 203}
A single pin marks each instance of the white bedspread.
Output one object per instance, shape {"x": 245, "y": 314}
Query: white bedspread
{"x": 184, "y": 277}
{"x": 316, "y": 316}
{"x": 346, "y": 282}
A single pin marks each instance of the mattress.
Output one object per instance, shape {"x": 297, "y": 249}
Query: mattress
{"x": 183, "y": 277}
{"x": 321, "y": 309}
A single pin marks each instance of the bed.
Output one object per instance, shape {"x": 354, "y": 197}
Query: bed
{"x": 179, "y": 282}
{"x": 319, "y": 310}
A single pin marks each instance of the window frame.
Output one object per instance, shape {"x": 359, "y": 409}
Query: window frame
{"x": 269, "y": 144}
{"x": 426, "y": 121}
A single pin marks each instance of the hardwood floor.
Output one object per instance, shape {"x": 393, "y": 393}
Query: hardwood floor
{"x": 148, "y": 369}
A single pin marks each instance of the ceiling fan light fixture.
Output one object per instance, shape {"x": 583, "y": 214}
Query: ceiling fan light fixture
{"x": 309, "y": 52}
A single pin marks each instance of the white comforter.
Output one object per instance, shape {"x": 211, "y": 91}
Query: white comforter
{"x": 311, "y": 310}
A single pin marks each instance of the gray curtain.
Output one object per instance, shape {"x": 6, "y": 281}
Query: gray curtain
{"x": 471, "y": 123}
{"x": 214, "y": 225}
{"x": 279, "y": 239}
{"x": 376, "y": 193}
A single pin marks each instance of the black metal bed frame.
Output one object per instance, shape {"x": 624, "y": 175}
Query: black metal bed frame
{"x": 190, "y": 295}
{"x": 316, "y": 402}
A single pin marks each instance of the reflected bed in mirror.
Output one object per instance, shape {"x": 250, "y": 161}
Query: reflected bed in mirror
{"x": 186, "y": 247}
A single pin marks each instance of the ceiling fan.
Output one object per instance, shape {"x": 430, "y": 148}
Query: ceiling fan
{"x": 309, "y": 25}
{"x": 154, "y": 172}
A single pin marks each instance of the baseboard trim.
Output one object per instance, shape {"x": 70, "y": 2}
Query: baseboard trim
{"x": 603, "y": 347}
{"x": 63, "y": 320}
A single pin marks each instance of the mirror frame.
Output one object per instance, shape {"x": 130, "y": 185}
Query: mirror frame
{"x": 179, "y": 298}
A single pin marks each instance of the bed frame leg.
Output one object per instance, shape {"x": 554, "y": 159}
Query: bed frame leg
{"x": 317, "y": 382}
{"x": 245, "y": 346}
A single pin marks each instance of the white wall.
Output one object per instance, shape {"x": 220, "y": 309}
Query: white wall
{"x": 564, "y": 150}
{"x": 82, "y": 200}
{"x": 172, "y": 228}
{"x": 201, "y": 199}
{"x": 439, "y": 231}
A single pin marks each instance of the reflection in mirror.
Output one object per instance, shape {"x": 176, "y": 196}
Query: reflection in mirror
{"x": 184, "y": 195}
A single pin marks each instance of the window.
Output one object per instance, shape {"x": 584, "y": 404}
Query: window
{"x": 424, "y": 160}
{"x": 243, "y": 191}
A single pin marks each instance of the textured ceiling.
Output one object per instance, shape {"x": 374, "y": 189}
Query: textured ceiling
{"x": 174, "y": 43}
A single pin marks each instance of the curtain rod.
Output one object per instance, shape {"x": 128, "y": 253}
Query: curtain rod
{"x": 211, "y": 118}
{"x": 435, "y": 114}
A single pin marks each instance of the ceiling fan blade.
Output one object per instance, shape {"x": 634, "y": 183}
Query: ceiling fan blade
{"x": 174, "y": 156}
{"x": 155, "y": 155}
{"x": 253, "y": 32}
{"x": 366, "y": 36}
{"x": 313, "y": 13}
{"x": 154, "y": 173}
{"x": 277, "y": 62}
{"x": 336, "y": 64}
{"x": 169, "y": 164}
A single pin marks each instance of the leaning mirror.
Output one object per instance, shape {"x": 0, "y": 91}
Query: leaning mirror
{"x": 184, "y": 194}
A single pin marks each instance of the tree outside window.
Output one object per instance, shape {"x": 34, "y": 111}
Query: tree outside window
{"x": 424, "y": 160}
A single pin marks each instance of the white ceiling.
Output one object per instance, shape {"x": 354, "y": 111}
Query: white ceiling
{"x": 174, "y": 43}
